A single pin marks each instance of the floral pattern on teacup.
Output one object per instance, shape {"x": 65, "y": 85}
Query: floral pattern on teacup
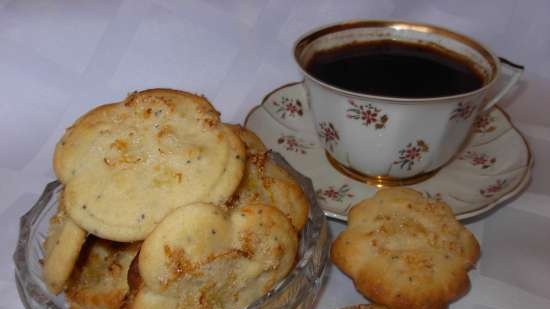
{"x": 481, "y": 160}
{"x": 411, "y": 153}
{"x": 335, "y": 194}
{"x": 493, "y": 189}
{"x": 368, "y": 114}
{"x": 293, "y": 144}
{"x": 484, "y": 124}
{"x": 328, "y": 135}
{"x": 463, "y": 111}
{"x": 288, "y": 107}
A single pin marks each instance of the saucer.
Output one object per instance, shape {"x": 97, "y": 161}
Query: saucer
{"x": 494, "y": 166}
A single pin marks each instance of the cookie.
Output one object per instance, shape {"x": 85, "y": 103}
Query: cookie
{"x": 251, "y": 141}
{"x": 126, "y": 165}
{"x": 100, "y": 278}
{"x": 199, "y": 256}
{"x": 266, "y": 183}
{"x": 405, "y": 251}
{"x": 61, "y": 249}
{"x": 135, "y": 284}
{"x": 365, "y": 306}
{"x": 146, "y": 299}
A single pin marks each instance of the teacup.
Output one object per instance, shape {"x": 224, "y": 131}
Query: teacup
{"x": 398, "y": 139}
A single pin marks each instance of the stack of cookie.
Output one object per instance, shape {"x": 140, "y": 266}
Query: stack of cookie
{"x": 165, "y": 206}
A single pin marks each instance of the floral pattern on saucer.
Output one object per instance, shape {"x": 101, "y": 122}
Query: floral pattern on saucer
{"x": 481, "y": 160}
{"x": 484, "y": 124}
{"x": 288, "y": 107}
{"x": 481, "y": 177}
{"x": 494, "y": 189}
{"x": 335, "y": 194}
{"x": 294, "y": 144}
{"x": 329, "y": 135}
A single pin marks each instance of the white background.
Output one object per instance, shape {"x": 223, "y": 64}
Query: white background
{"x": 60, "y": 58}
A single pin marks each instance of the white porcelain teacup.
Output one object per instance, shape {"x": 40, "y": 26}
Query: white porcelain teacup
{"x": 388, "y": 140}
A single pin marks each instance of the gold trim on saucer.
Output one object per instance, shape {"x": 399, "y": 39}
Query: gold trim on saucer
{"x": 378, "y": 181}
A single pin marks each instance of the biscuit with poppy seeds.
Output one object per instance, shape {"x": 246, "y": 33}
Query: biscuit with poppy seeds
{"x": 251, "y": 141}
{"x": 265, "y": 182}
{"x": 61, "y": 249}
{"x": 126, "y": 165}
{"x": 366, "y": 306}
{"x": 147, "y": 299}
{"x": 100, "y": 277}
{"x": 201, "y": 256}
{"x": 405, "y": 251}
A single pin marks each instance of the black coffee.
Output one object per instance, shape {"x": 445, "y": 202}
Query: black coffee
{"x": 395, "y": 69}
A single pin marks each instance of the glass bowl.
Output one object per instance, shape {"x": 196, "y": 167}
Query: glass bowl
{"x": 297, "y": 290}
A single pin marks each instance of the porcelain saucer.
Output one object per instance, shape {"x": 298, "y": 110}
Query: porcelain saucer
{"x": 494, "y": 166}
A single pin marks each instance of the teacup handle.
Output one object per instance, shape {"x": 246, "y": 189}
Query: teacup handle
{"x": 508, "y": 68}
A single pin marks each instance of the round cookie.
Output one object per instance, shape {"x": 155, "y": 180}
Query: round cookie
{"x": 405, "y": 251}
{"x": 199, "y": 256}
{"x": 99, "y": 280}
{"x": 251, "y": 141}
{"x": 126, "y": 165}
{"x": 365, "y": 306}
{"x": 267, "y": 183}
{"x": 62, "y": 247}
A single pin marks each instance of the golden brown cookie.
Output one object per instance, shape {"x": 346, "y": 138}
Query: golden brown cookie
{"x": 62, "y": 247}
{"x": 147, "y": 299}
{"x": 267, "y": 183}
{"x": 252, "y": 142}
{"x": 202, "y": 257}
{"x": 365, "y": 306}
{"x": 405, "y": 251}
{"x": 126, "y": 165}
{"x": 100, "y": 278}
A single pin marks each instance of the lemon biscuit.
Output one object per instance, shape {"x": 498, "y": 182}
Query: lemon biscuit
{"x": 61, "y": 247}
{"x": 199, "y": 256}
{"x": 252, "y": 142}
{"x": 405, "y": 251}
{"x": 267, "y": 183}
{"x": 99, "y": 280}
{"x": 126, "y": 165}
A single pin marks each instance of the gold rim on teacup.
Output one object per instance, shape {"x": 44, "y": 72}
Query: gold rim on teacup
{"x": 314, "y": 34}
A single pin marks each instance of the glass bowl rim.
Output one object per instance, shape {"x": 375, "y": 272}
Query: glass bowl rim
{"x": 316, "y": 222}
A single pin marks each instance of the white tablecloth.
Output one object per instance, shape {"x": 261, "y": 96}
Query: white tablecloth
{"x": 60, "y": 58}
